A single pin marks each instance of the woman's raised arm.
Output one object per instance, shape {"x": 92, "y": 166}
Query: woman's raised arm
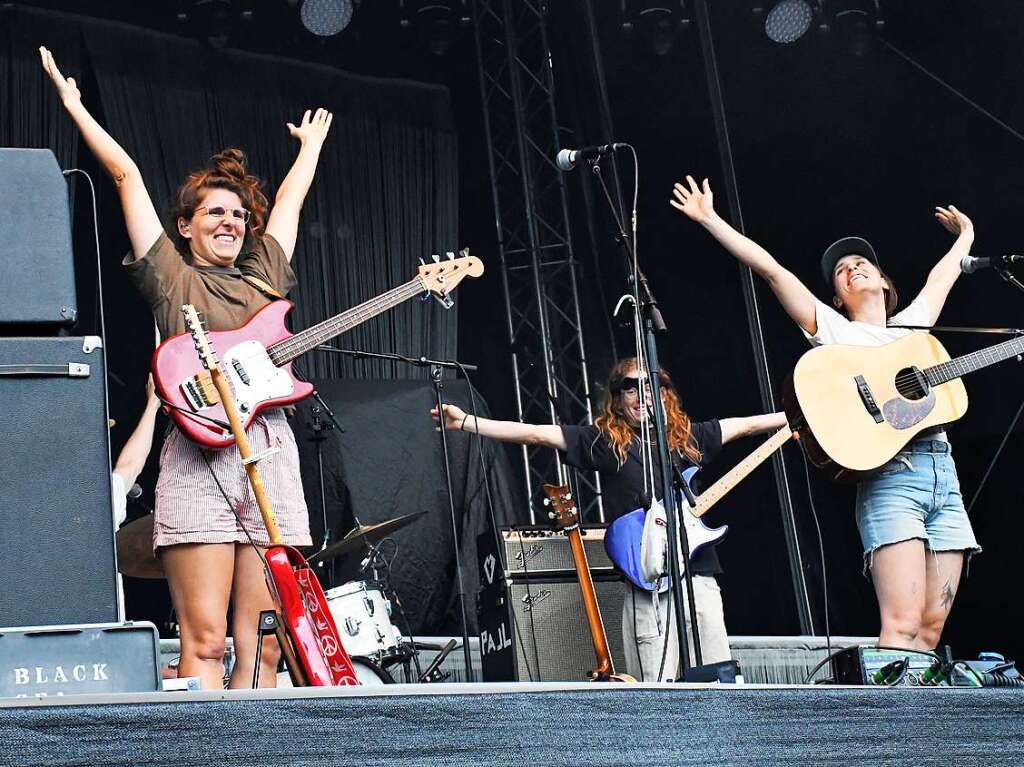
{"x": 140, "y": 216}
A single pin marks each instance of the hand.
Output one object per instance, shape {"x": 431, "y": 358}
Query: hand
{"x": 454, "y": 417}
{"x": 67, "y": 89}
{"x": 954, "y": 221}
{"x": 696, "y": 202}
{"x": 151, "y": 399}
{"x": 314, "y": 129}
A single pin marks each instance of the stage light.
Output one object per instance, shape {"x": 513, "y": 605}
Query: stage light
{"x": 214, "y": 20}
{"x": 855, "y": 23}
{"x": 658, "y": 23}
{"x": 788, "y": 21}
{"x": 437, "y": 23}
{"x": 325, "y": 18}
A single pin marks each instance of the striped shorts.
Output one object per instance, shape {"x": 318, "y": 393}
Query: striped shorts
{"x": 190, "y": 507}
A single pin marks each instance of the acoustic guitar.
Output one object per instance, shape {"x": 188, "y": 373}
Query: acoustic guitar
{"x": 858, "y": 406}
{"x": 563, "y": 513}
{"x": 307, "y": 634}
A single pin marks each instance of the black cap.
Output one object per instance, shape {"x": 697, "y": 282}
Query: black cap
{"x": 847, "y": 246}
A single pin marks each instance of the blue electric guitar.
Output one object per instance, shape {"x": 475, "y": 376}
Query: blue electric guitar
{"x": 624, "y": 536}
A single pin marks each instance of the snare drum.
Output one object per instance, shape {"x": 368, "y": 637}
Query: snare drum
{"x": 363, "y": 616}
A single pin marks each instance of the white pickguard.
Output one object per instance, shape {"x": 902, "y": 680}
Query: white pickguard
{"x": 252, "y": 376}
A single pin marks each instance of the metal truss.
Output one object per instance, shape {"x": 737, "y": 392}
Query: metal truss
{"x": 532, "y": 219}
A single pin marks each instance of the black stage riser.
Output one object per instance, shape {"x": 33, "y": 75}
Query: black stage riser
{"x": 608, "y": 725}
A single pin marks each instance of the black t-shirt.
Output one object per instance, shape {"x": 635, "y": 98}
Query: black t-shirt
{"x": 622, "y": 487}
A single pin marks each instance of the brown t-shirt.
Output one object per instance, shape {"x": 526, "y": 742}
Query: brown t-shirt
{"x": 224, "y": 298}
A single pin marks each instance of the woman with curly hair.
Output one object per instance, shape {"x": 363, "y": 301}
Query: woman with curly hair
{"x": 612, "y": 447}
{"x": 230, "y": 256}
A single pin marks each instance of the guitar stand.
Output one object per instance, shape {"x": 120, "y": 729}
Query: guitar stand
{"x": 267, "y": 624}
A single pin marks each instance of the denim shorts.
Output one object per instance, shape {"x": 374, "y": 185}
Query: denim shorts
{"x": 915, "y": 495}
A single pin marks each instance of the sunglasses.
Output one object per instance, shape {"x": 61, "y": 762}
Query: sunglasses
{"x": 239, "y": 214}
{"x": 628, "y": 384}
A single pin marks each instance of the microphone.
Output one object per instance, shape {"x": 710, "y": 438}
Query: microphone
{"x": 567, "y": 158}
{"x": 970, "y": 264}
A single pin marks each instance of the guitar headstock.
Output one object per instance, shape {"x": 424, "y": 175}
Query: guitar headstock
{"x": 563, "y": 507}
{"x": 441, "y": 276}
{"x": 195, "y": 328}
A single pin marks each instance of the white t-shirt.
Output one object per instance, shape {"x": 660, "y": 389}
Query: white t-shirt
{"x": 834, "y": 328}
{"x": 119, "y": 496}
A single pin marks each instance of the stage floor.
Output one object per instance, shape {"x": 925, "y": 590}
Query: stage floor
{"x": 521, "y": 724}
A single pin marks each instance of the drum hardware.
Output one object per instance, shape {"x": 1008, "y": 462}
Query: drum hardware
{"x": 433, "y": 672}
{"x": 364, "y": 535}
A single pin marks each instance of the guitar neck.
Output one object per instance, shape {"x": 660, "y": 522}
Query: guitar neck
{"x": 968, "y": 363}
{"x": 228, "y": 401}
{"x": 310, "y": 338}
{"x": 739, "y": 472}
{"x": 579, "y": 555}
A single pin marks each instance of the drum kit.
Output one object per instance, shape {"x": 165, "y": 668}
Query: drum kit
{"x": 362, "y": 609}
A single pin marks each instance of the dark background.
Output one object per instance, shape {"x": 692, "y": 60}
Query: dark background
{"x": 826, "y": 143}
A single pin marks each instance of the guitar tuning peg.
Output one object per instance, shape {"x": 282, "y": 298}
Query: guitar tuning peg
{"x": 547, "y": 501}
{"x": 451, "y": 256}
{"x": 422, "y": 262}
{"x": 436, "y": 258}
{"x": 464, "y": 252}
{"x": 552, "y": 515}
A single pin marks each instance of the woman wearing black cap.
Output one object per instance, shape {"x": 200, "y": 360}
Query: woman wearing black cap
{"x": 910, "y": 513}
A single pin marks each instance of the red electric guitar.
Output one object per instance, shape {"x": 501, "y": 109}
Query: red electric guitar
{"x": 307, "y": 634}
{"x": 257, "y": 357}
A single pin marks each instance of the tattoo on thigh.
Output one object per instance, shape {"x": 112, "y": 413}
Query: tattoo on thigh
{"x": 947, "y": 595}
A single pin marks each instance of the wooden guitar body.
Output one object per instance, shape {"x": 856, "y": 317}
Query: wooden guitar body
{"x": 857, "y": 406}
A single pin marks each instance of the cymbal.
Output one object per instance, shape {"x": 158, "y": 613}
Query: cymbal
{"x": 135, "y": 556}
{"x": 358, "y": 537}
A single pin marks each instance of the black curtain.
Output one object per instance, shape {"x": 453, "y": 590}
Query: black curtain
{"x": 388, "y": 463}
{"x": 385, "y": 195}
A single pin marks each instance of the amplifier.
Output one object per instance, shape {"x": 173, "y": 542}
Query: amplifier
{"x": 540, "y": 551}
{"x": 537, "y": 629}
{"x": 858, "y": 665}
{"x": 74, "y": 660}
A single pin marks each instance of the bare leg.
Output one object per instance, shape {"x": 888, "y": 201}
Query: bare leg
{"x": 898, "y": 573}
{"x": 199, "y": 577}
{"x": 943, "y": 580}
{"x": 250, "y": 595}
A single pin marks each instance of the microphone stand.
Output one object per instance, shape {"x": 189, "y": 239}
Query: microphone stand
{"x": 678, "y": 544}
{"x": 436, "y": 369}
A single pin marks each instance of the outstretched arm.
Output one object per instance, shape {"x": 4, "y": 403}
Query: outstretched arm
{"x": 455, "y": 419}
{"x": 132, "y": 459}
{"x": 734, "y": 428}
{"x": 139, "y": 214}
{"x": 697, "y": 202}
{"x": 947, "y": 270}
{"x": 283, "y": 224}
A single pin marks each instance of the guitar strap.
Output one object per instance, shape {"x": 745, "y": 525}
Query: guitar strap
{"x": 262, "y": 286}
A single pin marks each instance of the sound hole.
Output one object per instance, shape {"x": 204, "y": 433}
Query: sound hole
{"x": 911, "y": 383}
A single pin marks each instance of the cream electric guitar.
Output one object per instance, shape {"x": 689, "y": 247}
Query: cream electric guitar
{"x": 857, "y": 406}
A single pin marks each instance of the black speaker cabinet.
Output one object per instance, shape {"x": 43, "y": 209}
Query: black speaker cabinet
{"x": 57, "y": 561}
{"x": 36, "y": 259}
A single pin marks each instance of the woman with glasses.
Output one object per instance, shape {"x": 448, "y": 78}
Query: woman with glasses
{"x": 230, "y": 256}
{"x": 612, "y": 447}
